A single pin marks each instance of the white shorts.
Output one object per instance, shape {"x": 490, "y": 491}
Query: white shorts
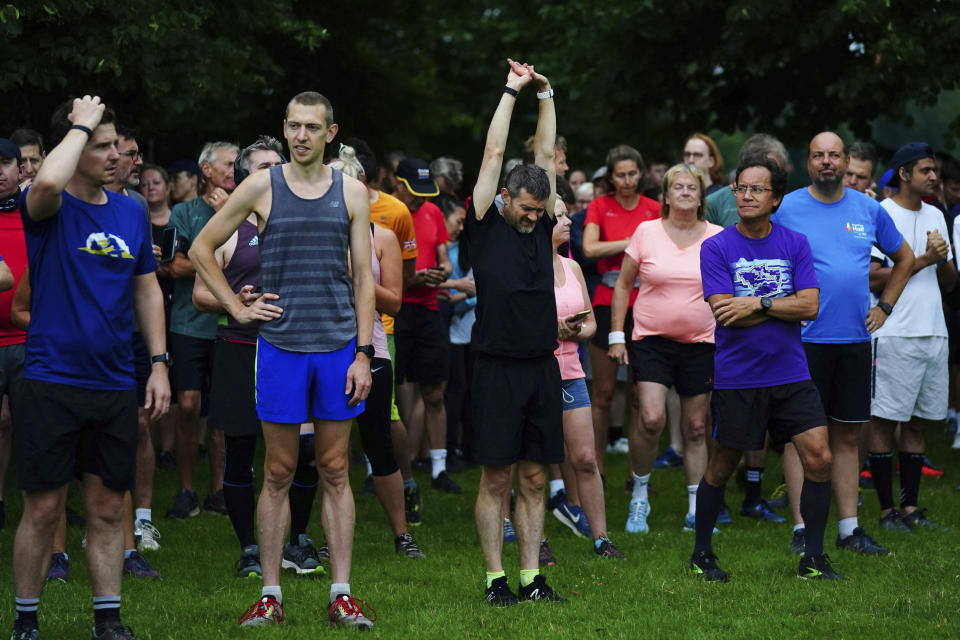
{"x": 909, "y": 378}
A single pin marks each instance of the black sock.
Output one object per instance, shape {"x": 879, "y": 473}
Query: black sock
{"x": 238, "y": 491}
{"x": 105, "y": 609}
{"x": 881, "y": 468}
{"x": 754, "y": 486}
{"x": 26, "y": 612}
{"x": 709, "y": 503}
{"x": 911, "y": 468}
{"x": 814, "y": 509}
{"x": 614, "y": 434}
{"x": 303, "y": 490}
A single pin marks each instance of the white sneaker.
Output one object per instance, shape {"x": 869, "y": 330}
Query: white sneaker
{"x": 637, "y": 516}
{"x": 149, "y": 536}
{"x": 956, "y": 441}
{"x": 620, "y": 446}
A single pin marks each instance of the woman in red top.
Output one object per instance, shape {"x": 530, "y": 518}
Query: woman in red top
{"x": 611, "y": 220}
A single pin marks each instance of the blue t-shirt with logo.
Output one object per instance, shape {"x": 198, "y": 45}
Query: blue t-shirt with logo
{"x": 774, "y": 266}
{"x": 841, "y": 235}
{"x": 83, "y": 261}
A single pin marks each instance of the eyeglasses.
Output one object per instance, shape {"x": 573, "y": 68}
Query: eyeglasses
{"x": 756, "y": 191}
{"x": 132, "y": 154}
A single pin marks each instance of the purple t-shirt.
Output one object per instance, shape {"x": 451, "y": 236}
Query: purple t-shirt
{"x": 778, "y": 265}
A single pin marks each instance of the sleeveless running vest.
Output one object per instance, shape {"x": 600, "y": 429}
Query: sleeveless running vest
{"x": 243, "y": 269}
{"x": 303, "y": 259}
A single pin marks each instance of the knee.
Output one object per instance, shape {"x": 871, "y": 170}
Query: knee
{"x": 278, "y": 473}
{"x": 532, "y": 482}
{"x": 333, "y": 472}
{"x": 107, "y": 509}
{"x": 583, "y": 460}
{"x": 432, "y": 395}
{"x": 44, "y": 510}
{"x": 846, "y": 437}
{"x": 718, "y": 475}
{"x": 695, "y": 430}
{"x": 495, "y": 482}
{"x": 818, "y": 463}
{"x": 189, "y": 402}
{"x": 653, "y": 421}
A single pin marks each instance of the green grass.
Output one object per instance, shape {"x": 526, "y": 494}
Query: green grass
{"x": 911, "y": 593}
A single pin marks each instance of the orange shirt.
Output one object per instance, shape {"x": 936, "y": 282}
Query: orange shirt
{"x": 390, "y": 213}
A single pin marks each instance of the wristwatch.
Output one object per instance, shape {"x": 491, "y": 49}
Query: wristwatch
{"x": 164, "y": 358}
{"x": 765, "y": 304}
{"x": 885, "y": 307}
{"x": 365, "y": 349}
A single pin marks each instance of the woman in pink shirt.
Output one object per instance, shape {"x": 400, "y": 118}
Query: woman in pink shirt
{"x": 672, "y": 337}
{"x": 575, "y": 322}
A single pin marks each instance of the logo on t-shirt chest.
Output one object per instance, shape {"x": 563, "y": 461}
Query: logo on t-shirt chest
{"x": 106, "y": 244}
{"x": 857, "y": 230}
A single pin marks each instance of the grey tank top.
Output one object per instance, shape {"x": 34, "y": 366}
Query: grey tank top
{"x": 303, "y": 258}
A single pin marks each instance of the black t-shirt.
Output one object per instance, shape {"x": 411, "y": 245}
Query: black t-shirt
{"x": 516, "y": 307}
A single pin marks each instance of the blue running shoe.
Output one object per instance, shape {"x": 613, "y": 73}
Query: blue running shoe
{"x": 509, "y": 535}
{"x": 667, "y": 459}
{"x": 690, "y": 523}
{"x": 574, "y": 519}
{"x": 724, "y": 516}
{"x": 556, "y": 500}
{"x": 637, "y": 516}
{"x": 59, "y": 568}
{"x": 138, "y": 567}
{"x": 761, "y": 511}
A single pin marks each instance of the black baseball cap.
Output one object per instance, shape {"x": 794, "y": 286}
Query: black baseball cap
{"x": 910, "y": 152}
{"x": 416, "y": 177}
{"x": 9, "y": 150}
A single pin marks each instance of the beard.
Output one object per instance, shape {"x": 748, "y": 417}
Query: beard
{"x": 828, "y": 184}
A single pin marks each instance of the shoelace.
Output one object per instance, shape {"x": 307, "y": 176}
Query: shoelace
{"x": 351, "y": 606}
{"x": 260, "y": 609}
{"x": 148, "y": 526}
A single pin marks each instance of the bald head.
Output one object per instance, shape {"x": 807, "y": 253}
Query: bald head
{"x": 827, "y": 140}
{"x": 826, "y": 163}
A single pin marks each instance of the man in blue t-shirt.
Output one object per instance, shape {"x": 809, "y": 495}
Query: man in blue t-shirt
{"x": 842, "y": 226}
{"x": 759, "y": 280}
{"x": 91, "y": 267}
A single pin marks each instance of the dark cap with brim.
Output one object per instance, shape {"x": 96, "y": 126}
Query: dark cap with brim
{"x": 9, "y": 150}
{"x": 415, "y": 175}
{"x": 910, "y": 152}
{"x": 184, "y": 164}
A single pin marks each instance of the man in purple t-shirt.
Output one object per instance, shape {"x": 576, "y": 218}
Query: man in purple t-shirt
{"x": 760, "y": 283}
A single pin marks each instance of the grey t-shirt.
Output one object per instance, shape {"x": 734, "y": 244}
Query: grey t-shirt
{"x": 189, "y": 218}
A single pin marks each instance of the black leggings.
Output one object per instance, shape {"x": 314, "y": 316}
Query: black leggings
{"x": 375, "y": 420}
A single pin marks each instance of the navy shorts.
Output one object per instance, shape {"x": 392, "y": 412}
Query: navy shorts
{"x": 293, "y": 387}
{"x": 574, "y": 394}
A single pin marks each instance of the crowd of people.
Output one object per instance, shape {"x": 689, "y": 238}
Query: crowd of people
{"x": 544, "y": 321}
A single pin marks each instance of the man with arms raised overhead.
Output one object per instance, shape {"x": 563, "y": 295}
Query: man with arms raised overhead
{"x": 517, "y": 406}
{"x": 314, "y": 348}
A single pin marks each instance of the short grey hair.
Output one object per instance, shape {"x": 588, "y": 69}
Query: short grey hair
{"x": 762, "y": 144}
{"x": 450, "y": 168}
{"x": 209, "y": 152}
{"x": 263, "y": 143}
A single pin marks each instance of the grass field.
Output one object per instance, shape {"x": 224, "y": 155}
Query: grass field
{"x": 913, "y": 593}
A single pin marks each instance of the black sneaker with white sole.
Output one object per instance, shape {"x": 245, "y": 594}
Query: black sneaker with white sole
{"x": 405, "y": 544}
{"x": 539, "y": 590}
{"x": 499, "y": 595}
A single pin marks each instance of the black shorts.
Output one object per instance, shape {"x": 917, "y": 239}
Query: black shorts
{"x": 374, "y": 422}
{"x": 517, "y": 410}
{"x": 423, "y": 345}
{"x": 62, "y": 431}
{"x": 842, "y": 375}
{"x": 688, "y": 367}
{"x": 192, "y": 362}
{"x": 233, "y": 406}
{"x": 742, "y": 417}
{"x": 602, "y": 316}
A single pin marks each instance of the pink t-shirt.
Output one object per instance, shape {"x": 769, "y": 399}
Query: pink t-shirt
{"x": 670, "y": 298}
{"x": 569, "y": 301}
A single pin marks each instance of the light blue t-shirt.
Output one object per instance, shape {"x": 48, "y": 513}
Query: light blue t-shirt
{"x": 841, "y": 235}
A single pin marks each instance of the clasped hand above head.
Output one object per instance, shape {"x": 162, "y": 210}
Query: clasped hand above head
{"x": 522, "y": 74}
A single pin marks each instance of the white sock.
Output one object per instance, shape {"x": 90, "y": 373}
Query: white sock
{"x": 640, "y": 486}
{"x": 438, "y": 460}
{"x": 144, "y": 514}
{"x": 798, "y": 527}
{"x": 692, "y": 499}
{"x": 846, "y": 526}
{"x": 338, "y": 588}
{"x": 272, "y": 591}
{"x": 556, "y": 486}
{"x": 369, "y": 468}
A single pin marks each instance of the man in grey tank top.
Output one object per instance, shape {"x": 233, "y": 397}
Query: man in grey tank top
{"x": 314, "y": 349}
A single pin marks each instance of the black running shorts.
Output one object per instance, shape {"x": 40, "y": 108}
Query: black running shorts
{"x": 842, "y": 375}
{"x": 742, "y": 417}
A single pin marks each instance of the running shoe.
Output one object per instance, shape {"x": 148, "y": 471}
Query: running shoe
{"x": 412, "y": 505}
{"x": 185, "y": 505}
{"x": 498, "y": 593}
{"x": 799, "y": 542}
{"x": 248, "y": 566}
{"x": 817, "y": 568}
{"x": 137, "y": 566}
{"x": 918, "y": 520}
{"x": 509, "y": 535}
{"x": 215, "y": 503}
{"x": 724, "y": 516}
{"x": 620, "y": 446}
{"x": 324, "y": 552}
{"x": 25, "y": 634}
{"x": 606, "y": 549}
{"x": 690, "y": 523}
{"x": 265, "y": 611}
{"x": 59, "y": 568}
{"x": 538, "y": 590}
{"x": 573, "y": 517}
{"x": 861, "y": 543}
{"x": 637, "y": 516}
{"x": 166, "y": 461}
{"x": 704, "y": 565}
{"x": 546, "y": 555}
{"x": 405, "y": 544}
{"x": 443, "y": 482}
{"x": 112, "y": 630}
{"x": 301, "y": 557}
{"x": 761, "y": 511}
{"x": 893, "y": 521}
{"x": 866, "y": 481}
{"x": 779, "y": 498}
{"x": 667, "y": 459}
{"x": 149, "y": 536}
{"x": 346, "y": 611}
{"x": 556, "y": 500}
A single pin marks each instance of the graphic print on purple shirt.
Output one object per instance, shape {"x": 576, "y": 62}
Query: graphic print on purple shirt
{"x": 774, "y": 266}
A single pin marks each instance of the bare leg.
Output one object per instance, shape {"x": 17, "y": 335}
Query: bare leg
{"x": 845, "y": 446}
{"x": 693, "y": 412}
{"x": 578, "y": 439}
{"x": 216, "y": 451}
{"x": 104, "y": 509}
{"x": 60, "y": 535}
{"x": 406, "y": 399}
{"x": 188, "y": 436}
{"x": 129, "y": 540}
{"x": 435, "y": 414}
{"x": 604, "y": 381}
{"x": 146, "y": 460}
{"x": 645, "y": 435}
{"x": 389, "y": 490}
{"x": 282, "y": 443}
{"x": 401, "y": 445}
{"x": 488, "y": 512}
{"x": 42, "y": 510}
{"x": 793, "y": 475}
{"x": 674, "y": 412}
{"x": 569, "y": 475}
{"x": 167, "y": 425}
{"x": 531, "y": 479}
{"x": 337, "y": 510}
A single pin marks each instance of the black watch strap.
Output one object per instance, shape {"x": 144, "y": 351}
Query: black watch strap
{"x": 163, "y": 357}
{"x": 366, "y": 349}
{"x": 765, "y": 304}
{"x": 885, "y": 307}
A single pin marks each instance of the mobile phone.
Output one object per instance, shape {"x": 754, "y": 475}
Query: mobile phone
{"x": 583, "y": 314}
{"x": 168, "y": 244}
